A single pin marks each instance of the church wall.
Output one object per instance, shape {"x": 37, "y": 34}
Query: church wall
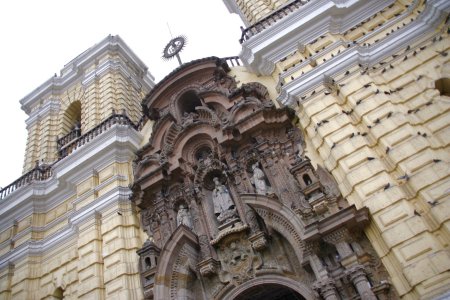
{"x": 255, "y": 10}
{"x": 377, "y": 121}
{"x": 98, "y": 261}
{"x": 410, "y": 234}
{"x": 74, "y": 234}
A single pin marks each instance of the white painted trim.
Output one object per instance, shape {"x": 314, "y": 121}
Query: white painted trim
{"x": 260, "y": 53}
{"x": 118, "y": 144}
{"x": 424, "y": 26}
{"x": 68, "y": 233}
{"x": 72, "y": 71}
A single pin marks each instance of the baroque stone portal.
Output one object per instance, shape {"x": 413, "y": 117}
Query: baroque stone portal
{"x": 230, "y": 202}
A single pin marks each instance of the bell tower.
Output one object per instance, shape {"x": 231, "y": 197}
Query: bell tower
{"x": 105, "y": 80}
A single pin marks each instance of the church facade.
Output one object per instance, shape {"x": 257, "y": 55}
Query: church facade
{"x": 234, "y": 208}
{"x": 67, "y": 228}
{"x": 313, "y": 166}
{"x": 369, "y": 82}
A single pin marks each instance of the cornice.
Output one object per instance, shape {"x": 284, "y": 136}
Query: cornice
{"x": 106, "y": 67}
{"x": 50, "y": 106}
{"x": 261, "y": 51}
{"x": 118, "y": 144}
{"x": 232, "y": 7}
{"x": 424, "y": 26}
{"x": 68, "y": 233}
{"x": 72, "y": 71}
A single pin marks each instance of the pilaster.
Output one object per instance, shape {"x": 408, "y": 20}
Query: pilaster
{"x": 90, "y": 267}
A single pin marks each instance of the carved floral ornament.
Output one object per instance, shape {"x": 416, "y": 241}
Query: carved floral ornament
{"x": 222, "y": 179}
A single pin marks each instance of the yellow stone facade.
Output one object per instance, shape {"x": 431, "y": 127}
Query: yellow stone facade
{"x": 99, "y": 262}
{"x": 92, "y": 102}
{"x": 75, "y": 234}
{"x": 255, "y": 10}
{"x": 383, "y": 131}
{"x": 410, "y": 218}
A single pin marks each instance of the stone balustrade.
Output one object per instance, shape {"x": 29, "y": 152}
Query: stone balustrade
{"x": 66, "y": 146}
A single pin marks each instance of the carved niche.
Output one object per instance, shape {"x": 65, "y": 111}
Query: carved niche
{"x": 228, "y": 196}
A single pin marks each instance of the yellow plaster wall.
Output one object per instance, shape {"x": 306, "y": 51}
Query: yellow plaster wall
{"x": 242, "y": 75}
{"x": 98, "y": 262}
{"x": 388, "y": 135}
{"x": 111, "y": 91}
{"x": 255, "y": 10}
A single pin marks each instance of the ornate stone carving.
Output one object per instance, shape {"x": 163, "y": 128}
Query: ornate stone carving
{"x": 184, "y": 217}
{"x": 238, "y": 261}
{"x": 258, "y": 180}
{"x": 232, "y": 168}
{"x": 326, "y": 288}
{"x": 188, "y": 119}
{"x": 224, "y": 207}
{"x": 358, "y": 276}
{"x": 259, "y": 241}
{"x": 328, "y": 182}
{"x": 338, "y": 236}
{"x": 208, "y": 267}
{"x": 250, "y": 217}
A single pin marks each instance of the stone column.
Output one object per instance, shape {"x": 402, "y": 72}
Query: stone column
{"x": 326, "y": 289}
{"x": 343, "y": 249}
{"x": 349, "y": 261}
{"x": 359, "y": 279}
{"x": 324, "y": 285}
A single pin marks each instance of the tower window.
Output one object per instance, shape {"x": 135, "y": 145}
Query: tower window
{"x": 71, "y": 120}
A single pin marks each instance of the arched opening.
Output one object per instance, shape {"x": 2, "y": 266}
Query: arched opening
{"x": 443, "y": 86}
{"x": 188, "y": 102}
{"x": 71, "y": 119}
{"x": 58, "y": 294}
{"x": 306, "y": 179}
{"x": 203, "y": 153}
{"x": 269, "y": 291}
{"x": 148, "y": 263}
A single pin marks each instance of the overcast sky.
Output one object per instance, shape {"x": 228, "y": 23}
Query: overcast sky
{"x": 39, "y": 37}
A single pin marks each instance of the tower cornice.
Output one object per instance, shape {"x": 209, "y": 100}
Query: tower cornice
{"x": 72, "y": 71}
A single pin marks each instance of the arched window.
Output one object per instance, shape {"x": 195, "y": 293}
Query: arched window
{"x": 148, "y": 263}
{"x": 71, "y": 120}
{"x": 188, "y": 102}
{"x": 306, "y": 179}
{"x": 443, "y": 86}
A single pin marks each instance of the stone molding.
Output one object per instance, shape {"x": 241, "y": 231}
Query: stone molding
{"x": 269, "y": 46}
{"x": 71, "y": 72}
{"x": 262, "y": 51}
{"x": 364, "y": 55}
{"x": 67, "y": 234}
{"x": 117, "y": 145}
{"x": 300, "y": 287}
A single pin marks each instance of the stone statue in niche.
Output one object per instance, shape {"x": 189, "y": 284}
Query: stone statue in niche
{"x": 165, "y": 227}
{"x": 258, "y": 180}
{"x": 224, "y": 207}
{"x": 184, "y": 216}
